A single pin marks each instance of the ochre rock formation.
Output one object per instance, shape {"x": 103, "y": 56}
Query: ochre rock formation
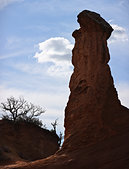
{"x": 93, "y": 110}
{"x": 96, "y": 124}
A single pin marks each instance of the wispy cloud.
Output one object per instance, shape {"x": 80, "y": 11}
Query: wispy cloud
{"x": 17, "y": 46}
{"x": 62, "y": 70}
{"x": 119, "y": 34}
{"x": 15, "y": 54}
{"x": 14, "y": 42}
{"x": 4, "y": 3}
{"x": 30, "y": 68}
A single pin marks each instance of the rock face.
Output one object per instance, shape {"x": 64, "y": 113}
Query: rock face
{"x": 25, "y": 142}
{"x": 93, "y": 110}
{"x": 96, "y": 124}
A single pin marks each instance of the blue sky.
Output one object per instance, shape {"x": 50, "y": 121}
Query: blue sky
{"x": 31, "y": 64}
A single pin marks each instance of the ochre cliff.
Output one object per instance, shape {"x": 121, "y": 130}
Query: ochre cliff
{"x": 96, "y": 124}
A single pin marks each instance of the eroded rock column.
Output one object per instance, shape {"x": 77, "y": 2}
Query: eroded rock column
{"x": 93, "y": 104}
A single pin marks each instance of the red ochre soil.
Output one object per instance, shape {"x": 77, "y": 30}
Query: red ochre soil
{"x": 22, "y": 142}
{"x": 96, "y": 124}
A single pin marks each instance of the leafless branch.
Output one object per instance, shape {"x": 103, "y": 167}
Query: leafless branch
{"x": 21, "y": 108}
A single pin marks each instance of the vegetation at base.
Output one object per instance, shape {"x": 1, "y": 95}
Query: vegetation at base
{"x": 19, "y": 110}
{"x": 54, "y": 125}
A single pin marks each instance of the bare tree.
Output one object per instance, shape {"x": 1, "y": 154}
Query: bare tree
{"x": 14, "y": 107}
{"x": 54, "y": 125}
{"x": 32, "y": 111}
{"x": 20, "y": 108}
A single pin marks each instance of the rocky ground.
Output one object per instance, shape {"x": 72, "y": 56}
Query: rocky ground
{"x": 25, "y": 142}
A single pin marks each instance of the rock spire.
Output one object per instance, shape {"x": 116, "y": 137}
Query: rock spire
{"x": 93, "y": 110}
{"x": 96, "y": 124}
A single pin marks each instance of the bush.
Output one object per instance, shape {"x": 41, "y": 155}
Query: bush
{"x": 20, "y": 110}
{"x": 34, "y": 121}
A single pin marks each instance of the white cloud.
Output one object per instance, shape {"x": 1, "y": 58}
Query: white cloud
{"x": 55, "y": 50}
{"x": 4, "y": 3}
{"x": 119, "y": 34}
{"x": 58, "y": 51}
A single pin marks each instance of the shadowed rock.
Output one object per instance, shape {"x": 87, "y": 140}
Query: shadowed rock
{"x": 96, "y": 124}
{"x": 22, "y": 141}
{"x": 93, "y": 111}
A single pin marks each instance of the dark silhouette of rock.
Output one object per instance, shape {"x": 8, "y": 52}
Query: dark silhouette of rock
{"x": 24, "y": 141}
{"x": 96, "y": 124}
